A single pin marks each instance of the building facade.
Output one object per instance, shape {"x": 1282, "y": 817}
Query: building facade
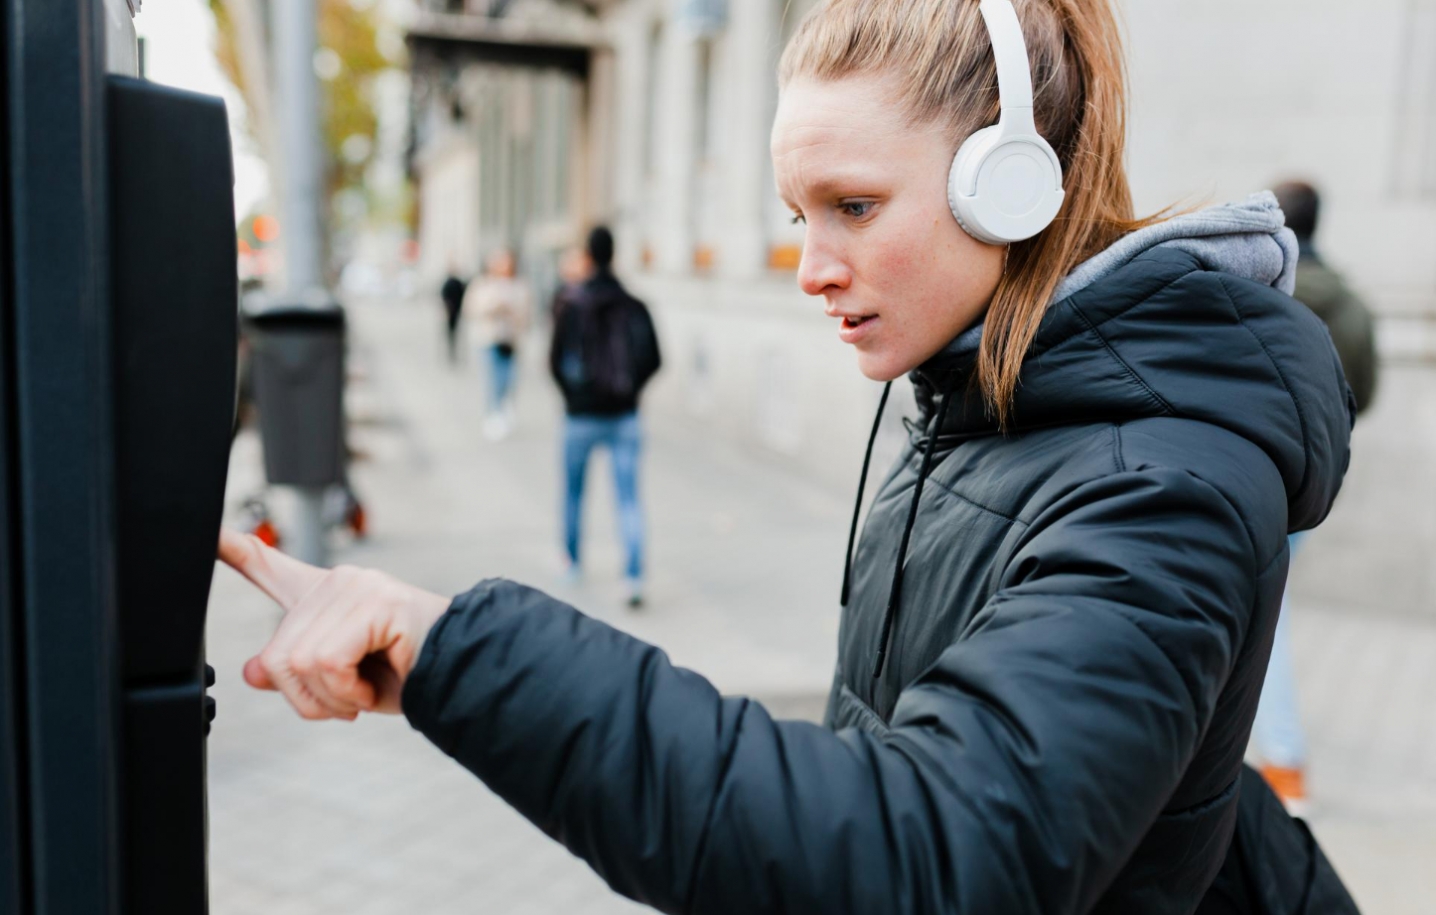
{"x": 657, "y": 121}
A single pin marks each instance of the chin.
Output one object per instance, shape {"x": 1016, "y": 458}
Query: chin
{"x": 882, "y": 366}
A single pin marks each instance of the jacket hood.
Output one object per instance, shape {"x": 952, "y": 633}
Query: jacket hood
{"x": 1191, "y": 318}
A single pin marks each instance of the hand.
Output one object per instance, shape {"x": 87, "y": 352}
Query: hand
{"x": 349, "y": 636}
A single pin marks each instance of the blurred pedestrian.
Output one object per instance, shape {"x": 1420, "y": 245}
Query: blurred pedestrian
{"x": 1324, "y": 291}
{"x": 498, "y": 308}
{"x": 574, "y": 267}
{"x": 604, "y": 352}
{"x": 452, "y": 294}
{"x": 1277, "y": 734}
{"x": 1056, "y": 619}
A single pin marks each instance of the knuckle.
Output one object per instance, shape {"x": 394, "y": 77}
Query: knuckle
{"x": 329, "y": 662}
{"x": 272, "y": 660}
{"x": 371, "y": 580}
{"x": 302, "y": 663}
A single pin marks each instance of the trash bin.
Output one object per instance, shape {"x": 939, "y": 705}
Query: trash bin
{"x": 297, "y": 367}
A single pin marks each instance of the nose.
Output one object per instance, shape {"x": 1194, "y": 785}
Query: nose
{"x": 822, "y": 269}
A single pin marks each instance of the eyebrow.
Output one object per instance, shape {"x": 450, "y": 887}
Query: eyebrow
{"x": 829, "y": 182}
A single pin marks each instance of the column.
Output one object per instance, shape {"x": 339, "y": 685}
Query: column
{"x": 751, "y": 74}
{"x": 677, "y": 131}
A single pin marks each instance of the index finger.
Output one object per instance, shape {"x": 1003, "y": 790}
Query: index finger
{"x": 282, "y": 577}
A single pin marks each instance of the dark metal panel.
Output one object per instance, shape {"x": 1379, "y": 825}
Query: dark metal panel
{"x": 165, "y": 842}
{"x": 61, "y": 371}
{"x": 175, "y": 313}
{"x": 14, "y": 863}
{"x": 174, "y": 294}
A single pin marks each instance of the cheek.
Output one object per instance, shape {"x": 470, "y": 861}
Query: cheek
{"x": 899, "y": 263}
{"x": 918, "y": 281}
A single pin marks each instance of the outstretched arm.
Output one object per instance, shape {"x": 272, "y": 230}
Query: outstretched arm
{"x": 1017, "y": 776}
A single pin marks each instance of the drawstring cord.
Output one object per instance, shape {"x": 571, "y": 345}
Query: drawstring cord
{"x": 858, "y": 506}
{"x": 895, "y": 596}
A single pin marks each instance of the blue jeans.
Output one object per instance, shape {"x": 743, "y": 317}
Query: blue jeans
{"x": 1280, "y": 740}
{"x": 501, "y": 377}
{"x": 623, "y": 438}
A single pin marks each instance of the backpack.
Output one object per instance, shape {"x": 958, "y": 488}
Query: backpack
{"x": 605, "y": 347}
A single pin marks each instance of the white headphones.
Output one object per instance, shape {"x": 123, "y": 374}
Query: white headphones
{"x": 1006, "y": 183}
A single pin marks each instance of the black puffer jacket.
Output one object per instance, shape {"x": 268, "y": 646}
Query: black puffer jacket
{"x": 1073, "y": 664}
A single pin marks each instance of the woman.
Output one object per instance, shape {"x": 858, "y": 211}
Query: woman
{"x": 499, "y": 306}
{"x": 1058, "y": 613}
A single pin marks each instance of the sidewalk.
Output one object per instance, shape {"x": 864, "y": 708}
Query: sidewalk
{"x": 746, "y": 562}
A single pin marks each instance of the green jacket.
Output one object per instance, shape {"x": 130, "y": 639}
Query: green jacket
{"x": 1347, "y": 318}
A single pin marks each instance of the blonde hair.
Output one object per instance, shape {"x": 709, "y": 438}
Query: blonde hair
{"x": 940, "y": 57}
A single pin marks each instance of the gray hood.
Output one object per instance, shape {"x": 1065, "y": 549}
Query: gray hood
{"x": 1247, "y": 240}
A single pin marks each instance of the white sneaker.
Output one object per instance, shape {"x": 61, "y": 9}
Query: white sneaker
{"x": 495, "y": 429}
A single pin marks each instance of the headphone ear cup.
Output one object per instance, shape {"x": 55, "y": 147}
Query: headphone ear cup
{"x": 962, "y": 179}
{"x": 1004, "y": 189}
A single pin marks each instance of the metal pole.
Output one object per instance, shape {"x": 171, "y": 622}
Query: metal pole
{"x": 295, "y": 40}
{"x": 297, "y": 102}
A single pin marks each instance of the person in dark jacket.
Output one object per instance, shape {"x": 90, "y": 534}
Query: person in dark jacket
{"x": 1277, "y": 734}
{"x": 452, "y": 295}
{"x": 1324, "y": 291}
{"x": 1057, "y": 617}
{"x": 604, "y": 353}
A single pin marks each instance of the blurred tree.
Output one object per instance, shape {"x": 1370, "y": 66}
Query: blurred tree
{"x": 346, "y": 61}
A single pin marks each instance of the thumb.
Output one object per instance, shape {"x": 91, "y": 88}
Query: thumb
{"x": 256, "y": 676}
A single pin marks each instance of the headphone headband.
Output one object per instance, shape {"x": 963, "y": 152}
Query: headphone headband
{"x": 1006, "y": 182}
{"x": 1014, "y": 73}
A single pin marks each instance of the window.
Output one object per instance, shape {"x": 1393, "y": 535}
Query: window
{"x": 650, "y": 99}
{"x": 702, "y": 129}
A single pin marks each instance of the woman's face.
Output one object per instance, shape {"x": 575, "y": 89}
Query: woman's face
{"x": 882, "y": 247}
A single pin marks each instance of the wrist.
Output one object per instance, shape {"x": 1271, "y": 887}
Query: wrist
{"x": 427, "y": 609}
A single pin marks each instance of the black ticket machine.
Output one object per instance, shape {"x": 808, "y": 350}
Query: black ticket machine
{"x": 117, "y": 378}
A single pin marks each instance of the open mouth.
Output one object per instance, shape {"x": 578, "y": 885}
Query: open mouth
{"x": 850, "y": 321}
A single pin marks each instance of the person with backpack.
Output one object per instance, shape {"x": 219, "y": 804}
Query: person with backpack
{"x": 1277, "y": 734}
{"x": 1056, "y": 619}
{"x": 604, "y": 352}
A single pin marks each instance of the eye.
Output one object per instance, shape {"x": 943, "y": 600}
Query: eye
{"x": 857, "y": 209}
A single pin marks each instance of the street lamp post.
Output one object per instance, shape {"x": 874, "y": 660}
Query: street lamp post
{"x": 297, "y": 109}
